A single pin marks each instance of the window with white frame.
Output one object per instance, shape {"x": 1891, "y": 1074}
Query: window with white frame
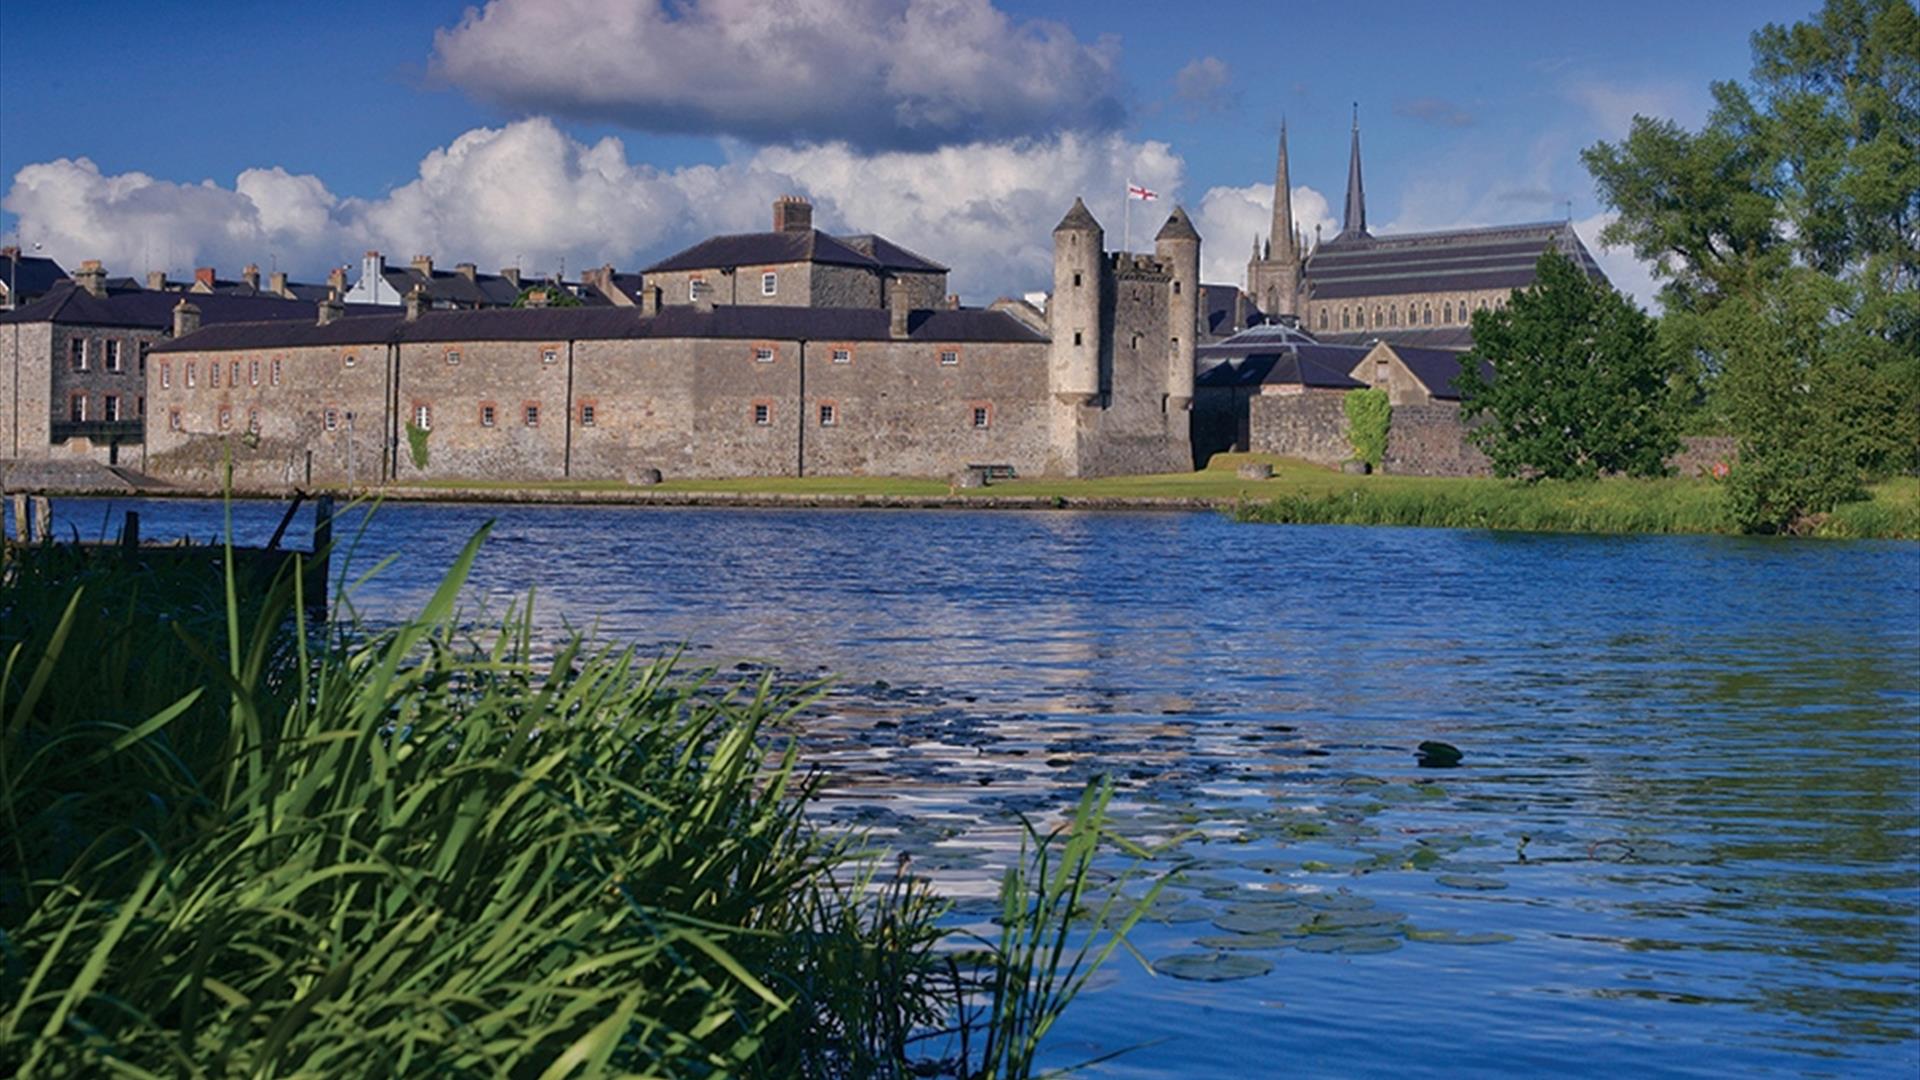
{"x": 762, "y": 414}
{"x": 253, "y": 373}
{"x": 113, "y": 354}
{"x": 532, "y": 414}
{"x": 77, "y": 353}
{"x": 486, "y": 414}
{"x": 549, "y": 355}
{"x": 173, "y": 420}
{"x": 166, "y": 375}
{"x": 982, "y": 416}
{"x": 769, "y": 284}
{"x": 829, "y": 414}
{"x": 192, "y": 375}
{"x": 110, "y": 407}
{"x": 276, "y": 371}
{"x": 77, "y": 408}
{"x": 587, "y": 412}
{"x": 763, "y": 354}
{"x": 843, "y": 356}
{"x": 423, "y": 416}
{"x": 949, "y": 357}
{"x": 453, "y": 357}
{"x": 332, "y": 419}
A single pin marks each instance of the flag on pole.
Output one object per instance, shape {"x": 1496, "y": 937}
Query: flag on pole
{"x": 1135, "y": 191}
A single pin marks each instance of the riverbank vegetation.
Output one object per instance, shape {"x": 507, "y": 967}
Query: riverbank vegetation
{"x": 236, "y": 843}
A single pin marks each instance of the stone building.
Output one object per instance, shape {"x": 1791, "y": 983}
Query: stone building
{"x": 73, "y": 363}
{"x": 25, "y": 278}
{"x": 708, "y": 388}
{"x": 1418, "y": 289}
{"x": 797, "y": 265}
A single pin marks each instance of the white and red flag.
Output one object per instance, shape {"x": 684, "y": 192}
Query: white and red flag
{"x": 1135, "y": 191}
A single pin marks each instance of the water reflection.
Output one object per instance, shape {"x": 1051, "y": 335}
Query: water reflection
{"x": 1690, "y": 794}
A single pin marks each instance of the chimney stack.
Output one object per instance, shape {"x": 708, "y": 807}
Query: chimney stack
{"x": 791, "y": 213}
{"x": 92, "y": 277}
{"x": 337, "y": 280}
{"x": 330, "y": 308}
{"x": 277, "y": 284}
{"x": 424, "y": 264}
{"x": 203, "y": 275}
{"x": 511, "y": 273}
{"x": 953, "y": 301}
{"x": 157, "y": 280}
{"x": 650, "y": 300}
{"x": 251, "y": 275}
{"x": 467, "y": 270}
{"x": 186, "y": 318}
{"x": 897, "y": 310}
{"x": 416, "y": 303}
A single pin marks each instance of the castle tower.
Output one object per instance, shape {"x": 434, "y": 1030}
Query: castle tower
{"x": 1274, "y": 280}
{"x": 1177, "y": 247}
{"x": 1354, "y": 221}
{"x": 1073, "y": 313}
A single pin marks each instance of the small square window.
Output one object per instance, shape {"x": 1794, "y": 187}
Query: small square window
{"x": 981, "y": 416}
{"x": 486, "y": 414}
{"x": 695, "y": 288}
{"x": 350, "y": 359}
{"x": 762, "y": 354}
{"x": 226, "y": 417}
{"x": 549, "y": 356}
{"x": 1076, "y": 337}
{"x": 843, "y": 356}
{"x": 1076, "y": 279}
{"x": 586, "y": 414}
{"x": 173, "y": 420}
{"x": 762, "y": 414}
{"x": 453, "y": 356}
{"x": 769, "y": 284}
{"x": 949, "y": 356}
{"x": 828, "y": 415}
{"x": 533, "y": 415}
{"x": 332, "y": 419}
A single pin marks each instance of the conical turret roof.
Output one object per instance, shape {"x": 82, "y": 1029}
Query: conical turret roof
{"x": 1178, "y": 227}
{"x": 1078, "y": 219}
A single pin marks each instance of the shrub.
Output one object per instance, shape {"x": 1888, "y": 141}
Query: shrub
{"x": 1369, "y": 415}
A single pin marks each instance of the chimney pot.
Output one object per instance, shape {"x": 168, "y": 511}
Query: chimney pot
{"x": 277, "y": 284}
{"x": 337, "y": 280}
{"x": 511, "y": 273}
{"x": 424, "y": 264}
{"x": 467, "y": 270}
{"x": 251, "y": 275}
{"x": 157, "y": 280}
{"x": 92, "y": 277}
{"x": 186, "y": 318}
{"x": 416, "y": 303}
{"x": 330, "y": 308}
{"x": 791, "y": 213}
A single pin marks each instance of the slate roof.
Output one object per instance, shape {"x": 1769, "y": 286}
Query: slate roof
{"x": 751, "y": 322}
{"x": 1499, "y": 257}
{"x": 1216, "y": 306}
{"x": 70, "y": 305}
{"x": 453, "y": 287}
{"x": 305, "y": 291}
{"x": 1317, "y": 366}
{"x": 891, "y": 256}
{"x": 31, "y": 275}
{"x": 628, "y": 285}
{"x": 1439, "y": 369}
{"x": 1178, "y": 227}
{"x": 1458, "y": 338}
{"x": 768, "y": 248}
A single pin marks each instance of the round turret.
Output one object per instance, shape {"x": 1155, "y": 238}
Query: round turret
{"x": 1073, "y": 312}
{"x": 1177, "y": 247}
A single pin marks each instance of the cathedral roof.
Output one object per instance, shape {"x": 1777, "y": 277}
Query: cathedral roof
{"x": 1455, "y": 260}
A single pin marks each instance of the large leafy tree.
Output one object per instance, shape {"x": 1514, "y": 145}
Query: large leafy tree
{"x": 1579, "y": 385}
{"x": 1787, "y": 234}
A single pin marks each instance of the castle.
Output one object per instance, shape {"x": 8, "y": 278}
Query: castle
{"x": 840, "y": 358}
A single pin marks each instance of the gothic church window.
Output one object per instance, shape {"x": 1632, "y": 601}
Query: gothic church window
{"x": 1393, "y": 315}
{"x": 1428, "y": 315}
{"x": 1446, "y": 312}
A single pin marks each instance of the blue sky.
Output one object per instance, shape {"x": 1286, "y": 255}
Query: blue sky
{"x": 578, "y": 132}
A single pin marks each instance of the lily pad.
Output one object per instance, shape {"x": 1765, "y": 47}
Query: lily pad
{"x": 1246, "y": 941}
{"x": 1327, "y": 922}
{"x": 1277, "y": 922}
{"x": 1438, "y": 755}
{"x": 1212, "y": 967}
{"x": 1458, "y": 937}
{"x": 1351, "y": 946}
{"x": 1468, "y": 881}
{"x": 1181, "y": 913}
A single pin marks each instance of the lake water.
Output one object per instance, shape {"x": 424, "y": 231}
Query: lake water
{"x": 1690, "y": 796}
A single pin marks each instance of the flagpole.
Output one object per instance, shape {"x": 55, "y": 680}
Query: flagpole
{"x": 1126, "y": 216}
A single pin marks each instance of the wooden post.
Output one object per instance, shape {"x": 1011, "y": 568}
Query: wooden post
{"x": 20, "y": 532}
{"x": 42, "y": 519}
{"x": 130, "y": 533}
{"x": 322, "y": 523}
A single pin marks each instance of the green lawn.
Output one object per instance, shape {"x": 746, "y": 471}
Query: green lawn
{"x": 1305, "y": 493}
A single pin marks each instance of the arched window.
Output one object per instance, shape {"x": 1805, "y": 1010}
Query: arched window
{"x": 1323, "y": 319}
{"x": 1428, "y": 315}
{"x": 1393, "y": 314}
{"x": 1346, "y": 318}
{"x": 1376, "y": 317}
{"x": 1446, "y": 312}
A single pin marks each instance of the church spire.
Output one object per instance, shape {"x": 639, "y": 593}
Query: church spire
{"x": 1283, "y": 203}
{"x": 1355, "y": 221}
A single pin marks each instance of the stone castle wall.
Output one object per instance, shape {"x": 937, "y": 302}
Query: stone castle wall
{"x": 25, "y": 351}
{"x": 1429, "y": 440}
{"x": 1307, "y": 424}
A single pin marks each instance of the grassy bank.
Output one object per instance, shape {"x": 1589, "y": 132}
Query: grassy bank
{"x": 1302, "y": 493}
{"x": 234, "y": 843}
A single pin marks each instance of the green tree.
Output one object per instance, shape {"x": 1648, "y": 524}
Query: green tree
{"x": 1787, "y": 235}
{"x": 1369, "y": 416}
{"x": 1579, "y": 387}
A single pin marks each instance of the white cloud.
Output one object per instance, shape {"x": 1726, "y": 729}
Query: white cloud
{"x": 872, "y": 73}
{"x": 1202, "y": 84}
{"x": 527, "y": 194}
{"x": 1230, "y": 217}
{"x": 1628, "y": 274}
{"x": 1611, "y": 106}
